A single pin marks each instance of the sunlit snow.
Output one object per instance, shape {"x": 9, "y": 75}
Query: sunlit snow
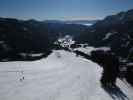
{"x": 60, "y": 76}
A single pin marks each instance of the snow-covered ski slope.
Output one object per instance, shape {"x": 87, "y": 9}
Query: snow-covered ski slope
{"x": 60, "y": 76}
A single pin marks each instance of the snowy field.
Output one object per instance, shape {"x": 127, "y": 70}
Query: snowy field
{"x": 60, "y": 76}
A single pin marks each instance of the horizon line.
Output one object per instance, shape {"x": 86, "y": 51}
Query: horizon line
{"x": 60, "y": 19}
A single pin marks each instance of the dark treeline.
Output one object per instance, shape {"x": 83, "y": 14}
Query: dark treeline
{"x": 17, "y": 36}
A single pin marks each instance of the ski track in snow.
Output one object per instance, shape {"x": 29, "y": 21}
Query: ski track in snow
{"x": 64, "y": 77}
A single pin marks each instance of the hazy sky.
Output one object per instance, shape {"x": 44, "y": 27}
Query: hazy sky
{"x": 62, "y": 9}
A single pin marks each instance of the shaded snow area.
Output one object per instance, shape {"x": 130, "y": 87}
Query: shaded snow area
{"x": 87, "y": 24}
{"x": 32, "y": 54}
{"x": 60, "y": 76}
{"x": 4, "y": 46}
{"x": 107, "y": 36}
{"x": 88, "y": 49}
{"x": 81, "y": 23}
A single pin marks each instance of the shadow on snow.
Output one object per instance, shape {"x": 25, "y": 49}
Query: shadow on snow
{"x": 115, "y": 92}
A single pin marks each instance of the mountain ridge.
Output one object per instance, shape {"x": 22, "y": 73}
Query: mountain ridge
{"x": 118, "y": 32}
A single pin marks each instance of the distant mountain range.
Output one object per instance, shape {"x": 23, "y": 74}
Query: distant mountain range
{"x": 31, "y": 36}
{"x": 80, "y": 22}
{"x": 115, "y": 31}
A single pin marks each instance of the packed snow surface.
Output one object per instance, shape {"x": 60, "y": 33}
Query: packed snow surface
{"x": 60, "y": 76}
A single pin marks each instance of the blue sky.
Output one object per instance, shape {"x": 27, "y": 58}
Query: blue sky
{"x": 62, "y": 9}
